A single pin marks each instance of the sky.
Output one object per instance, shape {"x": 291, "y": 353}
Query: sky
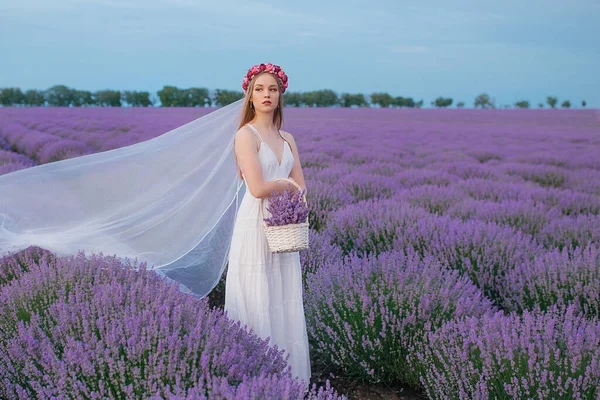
{"x": 512, "y": 50}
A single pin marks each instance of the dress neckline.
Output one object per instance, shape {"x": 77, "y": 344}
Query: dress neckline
{"x": 262, "y": 142}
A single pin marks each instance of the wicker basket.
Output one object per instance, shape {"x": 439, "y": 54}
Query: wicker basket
{"x": 286, "y": 238}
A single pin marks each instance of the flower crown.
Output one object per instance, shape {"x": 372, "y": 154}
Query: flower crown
{"x": 274, "y": 69}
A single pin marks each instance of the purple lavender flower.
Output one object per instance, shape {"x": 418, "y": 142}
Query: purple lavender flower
{"x": 287, "y": 208}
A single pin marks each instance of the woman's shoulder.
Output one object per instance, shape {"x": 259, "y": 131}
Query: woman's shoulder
{"x": 244, "y": 130}
{"x": 287, "y": 135}
{"x": 245, "y": 136}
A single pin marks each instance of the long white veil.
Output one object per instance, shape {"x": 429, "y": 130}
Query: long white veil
{"x": 170, "y": 201}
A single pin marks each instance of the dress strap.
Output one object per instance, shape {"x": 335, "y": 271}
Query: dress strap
{"x": 255, "y": 131}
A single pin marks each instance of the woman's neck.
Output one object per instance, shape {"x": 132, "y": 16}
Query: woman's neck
{"x": 264, "y": 122}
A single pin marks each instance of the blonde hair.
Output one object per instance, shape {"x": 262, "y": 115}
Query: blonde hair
{"x": 248, "y": 112}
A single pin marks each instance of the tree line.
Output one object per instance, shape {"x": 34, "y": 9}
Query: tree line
{"x": 171, "y": 96}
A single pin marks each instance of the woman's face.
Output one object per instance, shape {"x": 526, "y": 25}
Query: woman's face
{"x": 265, "y": 89}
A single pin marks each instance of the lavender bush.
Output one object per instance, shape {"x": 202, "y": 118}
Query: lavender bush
{"x": 325, "y": 198}
{"x": 524, "y": 215}
{"x": 434, "y": 199}
{"x": 100, "y": 327}
{"x": 372, "y": 226}
{"x": 416, "y": 177}
{"x": 556, "y": 277}
{"x": 320, "y": 253}
{"x": 549, "y": 355}
{"x": 482, "y": 251}
{"x": 362, "y": 186}
{"x": 571, "y": 232}
{"x": 13, "y": 266}
{"x": 543, "y": 175}
{"x": 287, "y": 208}
{"x": 365, "y": 314}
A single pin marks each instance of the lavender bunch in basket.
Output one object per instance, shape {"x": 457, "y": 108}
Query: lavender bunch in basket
{"x": 287, "y": 208}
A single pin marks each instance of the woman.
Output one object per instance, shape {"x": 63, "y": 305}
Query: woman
{"x": 263, "y": 289}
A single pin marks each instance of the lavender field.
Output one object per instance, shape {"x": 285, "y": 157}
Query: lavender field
{"x": 453, "y": 251}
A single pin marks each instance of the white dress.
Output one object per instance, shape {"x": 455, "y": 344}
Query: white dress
{"x": 264, "y": 289}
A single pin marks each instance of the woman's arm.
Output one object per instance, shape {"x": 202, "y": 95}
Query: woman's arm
{"x": 246, "y": 151}
{"x": 296, "y": 174}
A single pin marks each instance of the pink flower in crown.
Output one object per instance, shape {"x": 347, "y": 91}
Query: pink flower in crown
{"x": 271, "y": 68}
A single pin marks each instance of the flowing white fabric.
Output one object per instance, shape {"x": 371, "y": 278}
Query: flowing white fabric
{"x": 170, "y": 201}
{"x": 264, "y": 289}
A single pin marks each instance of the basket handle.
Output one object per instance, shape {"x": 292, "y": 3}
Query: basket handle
{"x": 275, "y": 180}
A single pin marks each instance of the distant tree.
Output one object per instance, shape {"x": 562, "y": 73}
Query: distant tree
{"x": 292, "y": 98}
{"x": 5, "y": 98}
{"x": 384, "y": 100}
{"x": 460, "y": 104}
{"x": 328, "y": 98}
{"x": 34, "y": 98}
{"x": 82, "y": 98}
{"x": 170, "y": 96}
{"x": 60, "y": 96}
{"x": 136, "y": 99}
{"x": 551, "y": 101}
{"x": 195, "y": 97}
{"x": 12, "y": 97}
{"x": 406, "y": 102}
{"x": 522, "y": 104}
{"x": 107, "y": 98}
{"x": 583, "y": 103}
{"x": 19, "y": 97}
{"x": 225, "y": 97}
{"x": 443, "y": 102}
{"x": 349, "y": 100}
{"x": 400, "y": 102}
{"x": 310, "y": 99}
{"x": 541, "y": 105}
{"x": 566, "y": 104}
{"x": 483, "y": 101}
{"x": 319, "y": 98}
{"x": 418, "y": 104}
